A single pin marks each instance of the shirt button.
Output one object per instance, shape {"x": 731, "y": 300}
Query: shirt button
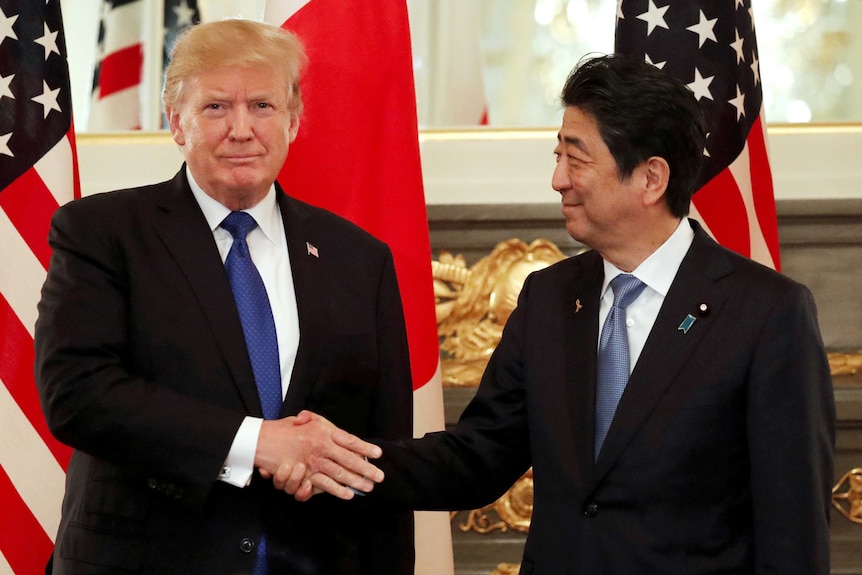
{"x": 246, "y": 545}
{"x": 591, "y": 510}
{"x": 630, "y": 322}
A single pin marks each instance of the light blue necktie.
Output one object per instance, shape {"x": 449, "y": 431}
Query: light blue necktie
{"x": 613, "y": 358}
{"x": 258, "y": 327}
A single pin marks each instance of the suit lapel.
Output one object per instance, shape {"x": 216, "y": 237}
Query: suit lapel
{"x": 309, "y": 273}
{"x": 668, "y": 348}
{"x": 581, "y": 335}
{"x": 183, "y": 229}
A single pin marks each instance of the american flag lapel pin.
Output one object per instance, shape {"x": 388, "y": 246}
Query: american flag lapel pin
{"x": 311, "y": 250}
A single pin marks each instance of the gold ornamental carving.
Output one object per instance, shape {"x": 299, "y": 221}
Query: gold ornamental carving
{"x": 845, "y": 363}
{"x": 474, "y": 303}
{"x": 511, "y": 511}
{"x": 507, "y": 569}
{"x": 847, "y": 495}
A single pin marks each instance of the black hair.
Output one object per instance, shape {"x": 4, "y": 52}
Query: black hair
{"x": 642, "y": 112}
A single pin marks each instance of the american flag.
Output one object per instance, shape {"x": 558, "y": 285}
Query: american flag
{"x": 118, "y": 76}
{"x": 37, "y": 174}
{"x": 120, "y": 80}
{"x": 711, "y": 47}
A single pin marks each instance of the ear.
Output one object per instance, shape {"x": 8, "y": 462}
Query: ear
{"x": 293, "y": 130}
{"x": 657, "y": 175}
{"x": 175, "y": 125}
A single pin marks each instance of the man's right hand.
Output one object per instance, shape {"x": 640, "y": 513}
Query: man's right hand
{"x": 307, "y": 454}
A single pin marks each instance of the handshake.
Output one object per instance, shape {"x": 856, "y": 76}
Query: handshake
{"x": 307, "y": 454}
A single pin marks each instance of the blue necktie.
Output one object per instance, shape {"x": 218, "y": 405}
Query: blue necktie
{"x": 258, "y": 327}
{"x": 613, "y": 359}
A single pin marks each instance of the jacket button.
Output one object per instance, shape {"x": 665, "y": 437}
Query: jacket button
{"x": 246, "y": 545}
{"x": 591, "y": 510}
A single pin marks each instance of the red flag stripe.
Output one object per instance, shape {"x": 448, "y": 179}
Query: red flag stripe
{"x": 23, "y": 542}
{"x": 121, "y": 70}
{"x": 720, "y": 203}
{"x": 16, "y": 371}
{"x": 29, "y": 206}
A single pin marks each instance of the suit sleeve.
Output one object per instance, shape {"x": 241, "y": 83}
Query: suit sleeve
{"x": 479, "y": 459}
{"x": 92, "y": 398}
{"x": 791, "y": 434}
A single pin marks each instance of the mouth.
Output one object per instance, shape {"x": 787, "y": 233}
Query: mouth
{"x": 240, "y": 158}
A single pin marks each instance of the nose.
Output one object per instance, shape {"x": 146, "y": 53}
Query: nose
{"x": 240, "y": 124}
{"x": 560, "y": 180}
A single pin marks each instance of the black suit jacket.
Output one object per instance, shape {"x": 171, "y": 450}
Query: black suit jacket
{"x": 142, "y": 368}
{"x": 719, "y": 459}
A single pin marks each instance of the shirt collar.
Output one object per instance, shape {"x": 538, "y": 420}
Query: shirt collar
{"x": 265, "y": 213}
{"x": 659, "y": 269}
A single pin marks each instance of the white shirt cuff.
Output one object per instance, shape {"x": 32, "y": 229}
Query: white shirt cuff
{"x": 239, "y": 465}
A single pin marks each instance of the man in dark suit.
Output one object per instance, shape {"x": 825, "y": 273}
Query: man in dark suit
{"x": 717, "y": 457}
{"x": 147, "y": 368}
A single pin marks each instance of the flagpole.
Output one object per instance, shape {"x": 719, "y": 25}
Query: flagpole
{"x": 151, "y": 94}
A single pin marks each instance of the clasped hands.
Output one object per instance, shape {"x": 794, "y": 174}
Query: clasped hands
{"x": 307, "y": 454}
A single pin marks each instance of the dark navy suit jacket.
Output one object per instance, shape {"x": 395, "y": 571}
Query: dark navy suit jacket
{"x": 719, "y": 459}
{"x": 142, "y": 368}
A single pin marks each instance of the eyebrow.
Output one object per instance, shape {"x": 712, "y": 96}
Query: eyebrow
{"x": 573, "y": 141}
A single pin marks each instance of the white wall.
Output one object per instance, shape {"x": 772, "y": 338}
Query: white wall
{"x": 474, "y": 167}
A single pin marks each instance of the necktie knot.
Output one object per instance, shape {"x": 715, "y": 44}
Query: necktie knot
{"x": 626, "y": 288}
{"x": 239, "y": 224}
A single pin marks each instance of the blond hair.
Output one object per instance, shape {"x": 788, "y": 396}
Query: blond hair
{"x": 234, "y": 42}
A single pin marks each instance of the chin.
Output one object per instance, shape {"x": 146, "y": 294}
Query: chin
{"x": 576, "y": 232}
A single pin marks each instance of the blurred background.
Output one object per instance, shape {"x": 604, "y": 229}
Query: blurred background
{"x": 498, "y": 63}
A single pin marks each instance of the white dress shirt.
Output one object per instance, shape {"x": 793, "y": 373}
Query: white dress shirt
{"x": 657, "y": 272}
{"x": 267, "y": 244}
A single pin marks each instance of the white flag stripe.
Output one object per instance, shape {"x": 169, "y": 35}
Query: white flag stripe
{"x": 22, "y": 288}
{"x": 740, "y": 169}
{"x": 119, "y": 109}
{"x": 277, "y": 13}
{"x": 433, "y": 528}
{"x": 55, "y": 169}
{"x": 434, "y": 543}
{"x": 30, "y": 465}
{"x": 428, "y": 406}
{"x": 123, "y": 27}
{"x": 5, "y": 568}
